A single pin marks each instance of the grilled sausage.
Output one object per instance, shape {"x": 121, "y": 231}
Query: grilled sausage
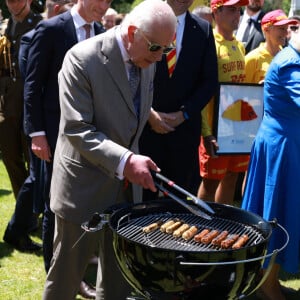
{"x": 187, "y": 235}
{"x": 178, "y": 232}
{"x": 152, "y": 227}
{"x": 222, "y": 236}
{"x": 199, "y": 236}
{"x": 231, "y": 239}
{"x": 164, "y": 226}
{"x": 209, "y": 237}
{"x": 173, "y": 227}
{"x": 240, "y": 242}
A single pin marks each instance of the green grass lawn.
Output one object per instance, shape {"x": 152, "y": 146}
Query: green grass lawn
{"x": 22, "y": 275}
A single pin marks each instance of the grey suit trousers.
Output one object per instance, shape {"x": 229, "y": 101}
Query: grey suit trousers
{"x": 63, "y": 279}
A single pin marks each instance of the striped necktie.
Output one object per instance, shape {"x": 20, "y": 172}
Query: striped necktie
{"x": 87, "y": 28}
{"x": 134, "y": 83}
{"x": 171, "y": 58}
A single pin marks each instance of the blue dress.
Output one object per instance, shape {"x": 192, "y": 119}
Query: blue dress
{"x": 273, "y": 183}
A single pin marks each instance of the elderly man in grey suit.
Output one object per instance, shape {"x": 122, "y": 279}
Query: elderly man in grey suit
{"x": 97, "y": 146}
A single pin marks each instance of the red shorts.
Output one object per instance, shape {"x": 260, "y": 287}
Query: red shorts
{"x": 217, "y": 167}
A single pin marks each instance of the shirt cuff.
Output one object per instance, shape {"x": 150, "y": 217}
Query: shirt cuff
{"x": 121, "y": 166}
{"x": 38, "y": 133}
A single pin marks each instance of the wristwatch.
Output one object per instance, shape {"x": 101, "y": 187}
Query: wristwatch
{"x": 185, "y": 114}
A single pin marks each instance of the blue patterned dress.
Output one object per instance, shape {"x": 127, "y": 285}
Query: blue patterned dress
{"x": 273, "y": 184}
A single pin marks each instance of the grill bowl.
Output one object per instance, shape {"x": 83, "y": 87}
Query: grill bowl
{"x": 160, "y": 272}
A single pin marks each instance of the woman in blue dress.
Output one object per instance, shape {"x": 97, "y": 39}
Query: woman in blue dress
{"x": 273, "y": 183}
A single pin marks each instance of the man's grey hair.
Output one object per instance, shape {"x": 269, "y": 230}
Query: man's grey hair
{"x": 148, "y": 13}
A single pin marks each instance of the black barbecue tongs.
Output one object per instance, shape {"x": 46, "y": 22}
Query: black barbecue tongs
{"x": 196, "y": 200}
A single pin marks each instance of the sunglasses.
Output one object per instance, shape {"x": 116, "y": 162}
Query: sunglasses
{"x": 153, "y": 47}
{"x": 294, "y": 27}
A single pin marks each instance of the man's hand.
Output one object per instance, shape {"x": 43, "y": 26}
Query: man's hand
{"x": 211, "y": 145}
{"x": 160, "y": 122}
{"x": 40, "y": 147}
{"x": 137, "y": 170}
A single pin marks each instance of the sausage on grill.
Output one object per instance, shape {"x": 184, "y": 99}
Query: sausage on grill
{"x": 199, "y": 236}
{"x": 178, "y": 232}
{"x": 240, "y": 242}
{"x": 164, "y": 226}
{"x": 222, "y": 236}
{"x": 209, "y": 237}
{"x": 152, "y": 227}
{"x": 231, "y": 239}
{"x": 173, "y": 227}
{"x": 187, "y": 235}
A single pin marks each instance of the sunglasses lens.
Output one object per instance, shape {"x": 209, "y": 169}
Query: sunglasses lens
{"x": 154, "y": 47}
{"x": 168, "y": 49}
{"x": 294, "y": 28}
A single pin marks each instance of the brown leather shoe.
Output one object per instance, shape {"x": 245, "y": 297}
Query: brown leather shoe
{"x": 86, "y": 291}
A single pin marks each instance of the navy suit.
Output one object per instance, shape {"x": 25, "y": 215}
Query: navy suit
{"x": 256, "y": 37}
{"x": 30, "y": 193}
{"x": 51, "y": 40}
{"x": 193, "y": 83}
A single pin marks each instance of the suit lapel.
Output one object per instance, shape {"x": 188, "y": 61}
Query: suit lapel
{"x": 116, "y": 67}
{"x": 98, "y": 28}
{"x": 186, "y": 37}
{"x": 68, "y": 29}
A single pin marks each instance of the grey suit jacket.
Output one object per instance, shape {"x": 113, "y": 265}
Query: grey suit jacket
{"x": 98, "y": 125}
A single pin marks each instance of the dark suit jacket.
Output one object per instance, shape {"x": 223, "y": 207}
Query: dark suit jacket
{"x": 195, "y": 78}
{"x": 52, "y": 39}
{"x": 24, "y": 50}
{"x": 193, "y": 83}
{"x": 256, "y": 37}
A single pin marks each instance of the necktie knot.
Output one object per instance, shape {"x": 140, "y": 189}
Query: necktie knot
{"x": 87, "y": 28}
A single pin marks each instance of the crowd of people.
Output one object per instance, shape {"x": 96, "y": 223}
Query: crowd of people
{"x": 93, "y": 101}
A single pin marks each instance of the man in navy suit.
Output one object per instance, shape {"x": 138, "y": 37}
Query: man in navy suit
{"x": 51, "y": 40}
{"x": 254, "y": 12}
{"x": 174, "y": 127}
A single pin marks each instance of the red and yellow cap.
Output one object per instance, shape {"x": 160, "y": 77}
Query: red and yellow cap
{"x": 276, "y": 18}
{"x": 215, "y": 4}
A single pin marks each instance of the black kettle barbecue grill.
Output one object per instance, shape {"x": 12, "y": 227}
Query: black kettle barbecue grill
{"x": 161, "y": 267}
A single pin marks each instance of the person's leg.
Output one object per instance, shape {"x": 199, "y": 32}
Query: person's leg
{"x": 48, "y": 219}
{"x": 226, "y": 189}
{"x": 70, "y": 260}
{"x": 271, "y": 288}
{"x": 110, "y": 282}
{"x": 207, "y": 189}
{"x": 16, "y": 233}
{"x": 212, "y": 170}
{"x": 11, "y": 147}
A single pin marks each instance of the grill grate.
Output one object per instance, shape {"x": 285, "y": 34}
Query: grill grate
{"x": 132, "y": 229}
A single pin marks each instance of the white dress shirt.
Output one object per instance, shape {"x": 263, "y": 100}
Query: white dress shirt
{"x": 179, "y": 33}
{"x": 79, "y": 22}
{"x": 244, "y": 23}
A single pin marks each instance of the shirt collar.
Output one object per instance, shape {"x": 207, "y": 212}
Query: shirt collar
{"x": 77, "y": 19}
{"x": 181, "y": 19}
{"x": 253, "y": 17}
{"x": 124, "y": 53}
